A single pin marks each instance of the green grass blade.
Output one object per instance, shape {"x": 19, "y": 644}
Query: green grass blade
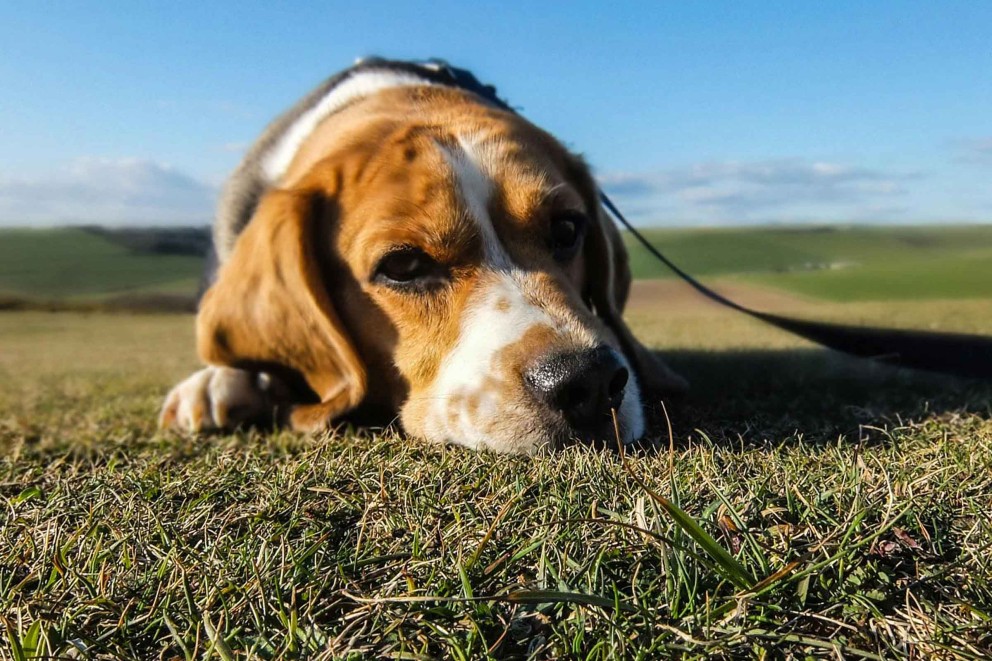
{"x": 726, "y": 563}
{"x": 15, "y": 644}
{"x": 732, "y": 569}
{"x": 217, "y": 638}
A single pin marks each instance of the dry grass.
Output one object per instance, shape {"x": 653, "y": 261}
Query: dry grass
{"x": 863, "y": 493}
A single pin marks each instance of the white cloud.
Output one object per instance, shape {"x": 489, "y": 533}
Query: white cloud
{"x": 108, "y": 192}
{"x": 144, "y": 192}
{"x": 761, "y": 190}
{"x": 974, "y": 150}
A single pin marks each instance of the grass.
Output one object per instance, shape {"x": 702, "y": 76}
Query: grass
{"x": 78, "y": 264}
{"x": 965, "y": 275}
{"x": 836, "y": 263}
{"x": 854, "y": 501}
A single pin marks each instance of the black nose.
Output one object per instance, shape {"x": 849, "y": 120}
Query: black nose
{"x": 584, "y": 386}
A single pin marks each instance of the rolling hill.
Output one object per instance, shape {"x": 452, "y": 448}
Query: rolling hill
{"x": 833, "y": 263}
{"x": 152, "y": 267}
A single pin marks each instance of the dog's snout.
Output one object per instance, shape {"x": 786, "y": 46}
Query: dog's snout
{"x": 583, "y": 386}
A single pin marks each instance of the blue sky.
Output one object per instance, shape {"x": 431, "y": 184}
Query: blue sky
{"x": 692, "y": 113}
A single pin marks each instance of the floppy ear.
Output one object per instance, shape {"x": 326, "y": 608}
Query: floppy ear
{"x": 607, "y": 287}
{"x": 270, "y": 309}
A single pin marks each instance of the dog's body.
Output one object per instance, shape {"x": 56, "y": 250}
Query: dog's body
{"x": 395, "y": 245}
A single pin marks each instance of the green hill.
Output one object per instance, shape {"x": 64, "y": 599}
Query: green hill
{"x": 73, "y": 264}
{"x": 836, "y": 263}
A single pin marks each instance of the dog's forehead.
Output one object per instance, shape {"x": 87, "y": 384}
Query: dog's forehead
{"x": 476, "y": 165}
{"x": 404, "y": 192}
{"x": 454, "y": 189}
{"x": 508, "y": 189}
{"x": 396, "y": 132}
{"x": 508, "y": 171}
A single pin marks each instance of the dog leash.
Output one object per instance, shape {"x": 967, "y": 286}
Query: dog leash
{"x": 956, "y": 354}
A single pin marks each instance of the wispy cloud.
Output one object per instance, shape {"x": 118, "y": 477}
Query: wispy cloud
{"x": 974, "y": 150}
{"x": 760, "y": 190}
{"x": 107, "y": 191}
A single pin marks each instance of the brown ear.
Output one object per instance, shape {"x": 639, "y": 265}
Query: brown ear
{"x": 270, "y": 307}
{"x": 607, "y": 287}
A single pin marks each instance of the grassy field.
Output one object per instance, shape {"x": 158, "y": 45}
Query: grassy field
{"x": 854, "y": 498}
{"x": 832, "y": 264}
{"x": 837, "y": 264}
{"x": 78, "y": 264}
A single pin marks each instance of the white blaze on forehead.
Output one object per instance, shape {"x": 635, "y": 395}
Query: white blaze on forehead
{"x": 277, "y": 159}
{"x": 472, "y": 166}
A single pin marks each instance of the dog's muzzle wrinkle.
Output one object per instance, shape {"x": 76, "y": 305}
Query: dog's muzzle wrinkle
{"x": 582, "y": 386}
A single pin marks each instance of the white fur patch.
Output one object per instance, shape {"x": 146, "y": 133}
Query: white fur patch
{"x": 216, "y": 398}
{"x": 499, "y": 317}
{"x": 276, "y": 162}
{"x": 473, "y": 171}
{"x": 630, "y": 417}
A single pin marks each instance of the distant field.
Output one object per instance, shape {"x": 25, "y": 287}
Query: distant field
{"x": 833, "y": 264}
{"x": 838, "y": 264}
{"x": 73, "y": 264}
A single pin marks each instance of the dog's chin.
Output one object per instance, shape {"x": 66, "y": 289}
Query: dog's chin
{"x": 611, "y": 434}
{"x": 517, "y": 425}
{"x": 543, "y": 432}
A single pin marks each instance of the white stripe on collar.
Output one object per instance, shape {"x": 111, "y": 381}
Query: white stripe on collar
{"x": 276, "y": 161}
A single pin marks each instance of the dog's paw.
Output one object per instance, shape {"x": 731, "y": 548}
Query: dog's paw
{"x": 218, "y": 398}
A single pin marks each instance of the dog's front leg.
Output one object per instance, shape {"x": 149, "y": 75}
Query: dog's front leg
{"x": 222, "y": 398}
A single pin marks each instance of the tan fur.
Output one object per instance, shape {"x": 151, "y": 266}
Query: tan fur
{"x": 270, "y": 308}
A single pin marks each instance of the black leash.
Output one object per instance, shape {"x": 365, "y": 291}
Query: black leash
{"x": 957, "y": 354}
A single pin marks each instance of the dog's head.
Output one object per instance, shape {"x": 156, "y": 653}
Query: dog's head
{"x": 428, "y": 255}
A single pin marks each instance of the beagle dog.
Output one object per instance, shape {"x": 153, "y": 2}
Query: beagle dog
{"x": 395, "y": 245}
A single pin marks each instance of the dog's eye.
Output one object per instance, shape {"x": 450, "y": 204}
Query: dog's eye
{"x": 567, "y": 231}
{"x": 409, "y": 268}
